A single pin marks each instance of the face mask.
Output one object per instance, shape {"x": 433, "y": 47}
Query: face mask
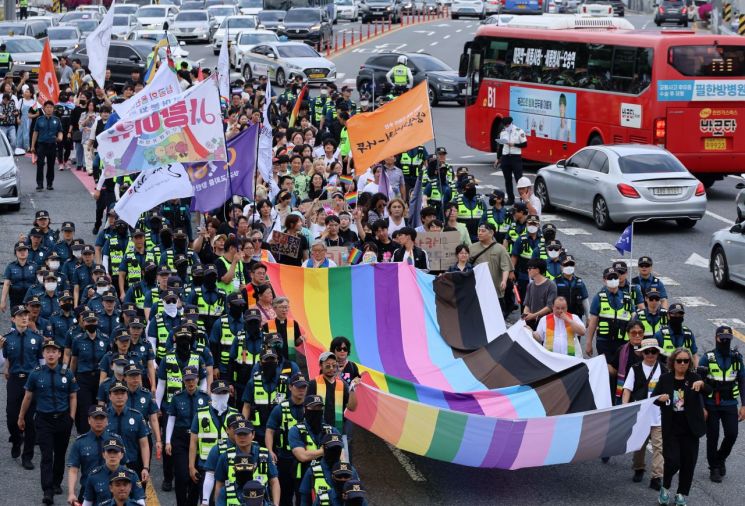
{"x": 67, "y": 307}
{"x": 612, "y": 283}
{"x": 156, "y": 227}
{"x": 470, "y": 193}
{"x": 549, "y": 235}
{"x": 269, "y": 370}
{"x": 676, "y": 323}
{"x": 364, "y": 103}
{"x": 170, "y": 309}
{"x": 118, "y": 370}
{"x": 77, "y": 254}
{"x": 50, "y": 287}
{"x": 236, "y": 311}
{"x": 568, "y": 270}
{"x": 121, "y": 230}
{"x": 220, "y": 402}
{"x": 331, "y": 455}
{"x": 100, "y": 290}
{"x": 180, "y": 244}
{"x": 150, "y": 277}
{"x": 723, "y": 346}
{"x": 91, "y": 327}
{"x": 166, "y": 240}
{"x": 324, "y": 92}
{"x": 197, "y": 280}
{"x": 54, "y": 265}
{"x": 554, "y": 254}
{"x": 314, "y": 419}
{"x": 183, "y": 346}
{"x": 210, "y": 282}
{"x": 532, "y": 229}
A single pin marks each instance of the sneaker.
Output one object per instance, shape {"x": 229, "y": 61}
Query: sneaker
{"x": 27, "y": 464}
{"x": 15, "y": 452}
{"x": 39, "y": 188}
{"x": 715, "y": 475}
{"x": 664, "y": 497}
{"x": 655, "y": 484}
{"x": 50, "y": 187}
{"x": 167, "y": 486}
{"x": 638, "y": 475}
{"x": 723, "y": 470}
{"x": 680, "y": 500}
{"x": 61, "y": 167}
{"x": 57, "y": 490}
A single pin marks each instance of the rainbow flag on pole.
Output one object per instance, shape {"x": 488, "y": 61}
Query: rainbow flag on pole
{"x": 351, "y": 198}
{"x": 296, "y": 109}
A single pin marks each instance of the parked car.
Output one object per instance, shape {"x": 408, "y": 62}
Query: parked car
{"x": 232, "y": 25}
{"x": 62, "y": 38}
{"x": 245, "y": 41}
{"x": 123, "y": 24}
{"x": 444, "y": 82}
{"x": 73, "y": 15}
{"x": 429, "y": 7}
{"x": 98, "y": 9}
{"x": 10, "y": 177}
{"x": 284, "y": 60}
{"x": 85, "y": 26}
{"x": 26, "y": 54}
{"x": 472, "y": 8}
{"x": 493, "y": 6}
{"x": 124, "y": 56}
{"x": 128, "y": 8}
{"x": 48, "y": 20}
{"x": 35, "y": 29}
{"x": 250, "y": 6}
{"x": 220, "y": 12}
{"x": 671, "y": 11}
{"x": 271, "y": 19}
{"x": 727, "y": 256}
{"x": 307, "y": 24}
{"x": 381, "y": 10}
{"x": 347, "y": 9}
{"x": 623, "y": 182}
{"x": 740, "y": 202}
{"x": 155, "y": 36}
{"x": 153, "y": 17}
{"x": 191, "y": 5}
{"x": 194, "y": 25}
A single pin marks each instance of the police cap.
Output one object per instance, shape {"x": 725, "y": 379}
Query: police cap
{"x": 191, "y": 373}
{"x": 353, "y": 489}
{"x": 236, "y": 298}
{"x": 41, "y": 214}
{"x": 342, "y": 469}
{"x": 653, "y": 293}
{"x": 109, "y": 296}
{"x": 331, "y": 441}
{"x": 313, "y": 401}
{"x": 68, "y": 226}
{"x": 36, "y": 232}
{"x": 242, "y": 426}
{"x": 136, "y": 321}
{"x": 645, "y": 261}
{"x": 21, "y": 246}
{"x": 298, "y": 380}
{"x": 676, "y": 307}
{"x": 118, "y": 386}
{"x": 568, "y": 260}
{"x": 33, "y": 301}
{"x": 120, "y": 476}
{"x": 252, "y": 314}
{"x": 220, "y": 387}
{"x": 253, "y": 493}
{"x": 97, "y": 411}
{"x": 610, "y": 271}
{"x": 113, "y": 443}
{"x": 138, "y": 232}
{"x": 88, "y": 249}
{"x": 724, "y": 332}
{"x": 50, "y": 343}
{"x": 120, "y": 359}
{"x": 132, "y": 369}
{"x": 620, "y": 267}
{"x": 65, "y": 295}
{"x": 98, "y": 268}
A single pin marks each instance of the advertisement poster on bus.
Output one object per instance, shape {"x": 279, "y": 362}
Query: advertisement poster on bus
{"x": 544, "y": 113}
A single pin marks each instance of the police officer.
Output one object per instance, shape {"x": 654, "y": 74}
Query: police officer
{"x": 42, "y": 221}
{"x": 131, "y": 426}
{"x": 471, "y": 209}
{"x": 518, "y": 226}
{"x": 112, "y": 252}
{"x": 323, "y": 482}
{"x": 223, "y": 447}
{"x": 21, "y": 348}
{"x": 258, "y": 465}
{"x": 512, "y": 140}
{"x": 86, "y": 353}
{"x": 37, "y": 252}
{"x": 723, "y": 369}
{"x": 572, "y": 288}
{"x": 646, "y": 280}
{"x": 437, "y": 190}
{"x": 180, "y": 413}
{"x": 400, "y": 76}
{"x": 318, "y": 106}
{"x": 244, "y": 353}
{"x": 305, "y": 438}
{"x": 86, "y": 452}
{"x": 118, "y": 364}
{"x": 283, "y": 417}
{"x": 19, "y": 275}
{"x": 675, "y": 335}
{"x": 37, "y": 322}
{"x": 525, "y": 248}
{"x": 108, "y": 317}
{"x": 48, "y": 298}
{"x": 637, "y": 299}
{"x": 55, "y": 392}
{"x": 163, "y": 323}
{"x": 97, "y": 485}
{"x": 139, "y": 292}
{"x": 5, "y": 59}
{"x": 120, "y": 487}
{"x": 177, "y": 213}
{"x": 411, "y": 163}
{"x": 228, "y": 328}
{"x": 133, "y": 264}
{"x": 83, "y": 274}
{"x": 61, "y": 321}
{"x": 610, "y": 312}
{"x": 498, "y": 215}
{"x": 554, "y": 252}
{"x": 653, "y": 316}
{"x": 173, "y": 364}
{"x": 143, "y": 350}
{"x": 180, "y": 247}
{"x": 141, "y": 399}
{"x": 63, "y": 247}
{"x": 208, "y": 298}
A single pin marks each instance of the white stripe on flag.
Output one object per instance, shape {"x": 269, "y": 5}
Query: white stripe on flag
{"x": 489, "y": 303}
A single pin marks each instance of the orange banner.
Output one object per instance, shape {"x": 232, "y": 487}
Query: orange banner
{"x": 402, "y": 124}
{"x": 48, "y": 84}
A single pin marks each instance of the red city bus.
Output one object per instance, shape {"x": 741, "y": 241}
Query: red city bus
{"x": 569, "y": 87}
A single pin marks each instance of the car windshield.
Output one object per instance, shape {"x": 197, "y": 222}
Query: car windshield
{"x": 192, "y": 5}
{"x": 649, "y": 163}
{"x": 121, "y": 20}
{"x": 221, "y": 10}
{"x": 86, "y": 25}
{"x": 73, "y": 15}
{"x": 238, "y": 23}
{"x": 271, "y": 16}
{"x": 12, "y": 29}
{"x": 152, "y": 12}
{"x": 192, "y": 16}
{"x": 302, "y": 16}
{"x": 62, "y": 33}
{"x": 246, "y": 4}
{"x": 252, "y": 39}
{"x": 428, "y": 63}
{"x": 296, "y": 51}
{"x": 344, "y": 2}
{"x": 23, "y": 46}
{"x": 125, "y": 9}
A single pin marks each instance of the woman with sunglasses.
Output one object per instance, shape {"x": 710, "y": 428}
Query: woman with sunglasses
{"x": 681, "y": 399}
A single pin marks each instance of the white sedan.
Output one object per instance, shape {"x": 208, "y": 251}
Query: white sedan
{"x": 245, "y": 41}
{"x": 220, "y": 12}
{"x": 622, "y": 183}
{"x": 10, "y": 177}
{"x": 232, "y": 25}
{"x": 282, "y": 61}
{"x": 153, "y": 17}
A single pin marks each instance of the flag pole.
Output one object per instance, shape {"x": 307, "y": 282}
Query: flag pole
{"x": 631, "y": 264}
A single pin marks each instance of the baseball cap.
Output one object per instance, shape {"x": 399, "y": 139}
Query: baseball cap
{"x": 132, "y": 369}
{"x": 33, "y": 301}
{"x": 138, "y": 231}
{"x": 174, "y": 282}
{"x": 191, "y": 309}
{"x": 236, "y": 298}
{"x": 252, "y": 314}
{"x": 520, "y": 206}
{"x": 325, "y": 356}
{"x": 170, "y": 295}
{"x": 313, "y": 401}
{"x": 136, "y": 321}
{"x": 242, "y": 426}
{"x": 269, "y": 353}
{"x": 724, "y": 332}
{"x": 109, "y": 295}
{"x": 98, "y": 268}
{"x": 88, "y": 249}
{"x": 533, "y": 218}
{"x": 298, "y": 380}
{"x": 120, "y": 476}
{"x": 50, "y": 343}
{"x": 88, "y": 315}
{"x": 645, "y": 260}
{"x": 676, "y": 307}
{"x": 36, "y": 232}
{"x": 353, "y": 489}
{"x": 442, "y": 151}
{"x": 123, "y": 335}
{"x": 653, "y": 292}
{"x": 66, "y": 294}
{"x": 253, "y": 493}
{"x": 164, "y": 270}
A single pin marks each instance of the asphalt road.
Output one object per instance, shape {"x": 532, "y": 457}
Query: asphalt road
{"x": 394, "y": 478}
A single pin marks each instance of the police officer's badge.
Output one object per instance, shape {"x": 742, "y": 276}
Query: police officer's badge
{"x": 101, "y": 344}
{"x": 131, "y": 421}
{"x": 200, "y": 401}
{"x": 33, "y": 341}
{"x": 142, "y": 400}
{"x": 64, "y": 379}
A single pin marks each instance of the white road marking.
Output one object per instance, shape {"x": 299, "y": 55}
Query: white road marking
{"x": 697, "y": 261}
{"x": 551, "y": 217}
{"x": 429, "y": 33}
{"x": 730, "y": 322}
{"x": 720, "y": 218}
{"x": 434, "y": 43}
{"x": 644, "y": 27}
{"x": 599, "y": 246}
{"x": 487, "y": 186}
{"x": 420, "y": 50}
{"x": 469, "y": 25}
{"x": 694, "y": 302}
{"x": 446, "y": 37}
{"x": 407, "y": 464}
{"x": 573, "y": 231}
{"x": 458, "y": 30}
{"x": 498, "y": 173}
{"x": 441, "y": 25}
{"x": 668, "y": 281}
{"x": 359, "y": 50}
{"x": 33, "y": 202}
{"x": 340, "y": 75}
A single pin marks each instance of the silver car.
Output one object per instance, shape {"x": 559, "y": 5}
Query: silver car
{"x": 232, "y": 25}
{"x": 153, "y": 17}
{"x": 282, "y": 61}
{"x": 63, "y": 37}
{"x": 194, "y": 25}
{"x": 623, "y": 183}
{"x": 220, "y": 12}
{"x": 10, "y": 177}
{"x": 245, "y": 41}
{"x": 727, "y": 257}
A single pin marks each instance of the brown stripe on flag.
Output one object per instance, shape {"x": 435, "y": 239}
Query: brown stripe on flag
{"x": 447, "y": 312}
{"x": 593, "y": 436}
{"x": 568, "y": 391}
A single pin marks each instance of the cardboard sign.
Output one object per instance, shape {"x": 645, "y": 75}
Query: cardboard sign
{"x": 440, "y": 248}
{"x": 284, "y": 244}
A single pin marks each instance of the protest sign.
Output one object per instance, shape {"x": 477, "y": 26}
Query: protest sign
{"x": 285, "y": 244}
{"x": 162, "y": 90}
{"x": 152, "y": 188}
{"x": 398, "y": 126}
{"x": 440, "y": 248}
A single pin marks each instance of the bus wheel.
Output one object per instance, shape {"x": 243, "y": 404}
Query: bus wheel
{"x": 600, "y": 213}
{"x": 595, "y": 140}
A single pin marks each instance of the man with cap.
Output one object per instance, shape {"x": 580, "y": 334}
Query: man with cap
{"x": 53, "y": 264}
{"x": 61, "y": 321}
{"x": 86, "y": 452}
{"x": 63, "y": 247}
{"x": 36, "y": 289}
{"x": 323, "y": 482}
{"x": 37, "y": 252}
{"x": 108, "y": 318}
{"x": 227, "y": 329}
{"x": 653, "y": 316}
{"x": 173, "y": 364}
{"x": 283, "y": 417}
{"x": 354, "y": 493}
{"x": 143, "y": 350}
{"x": 286, "y": 327}
{"x": 120, "y": 487}
{"x": 318, "y": 106}
{"x": 250, "y": 462}
{"x": 511, "y": 140}
{"x": 117, "y": 365}
{"x": 93, "y": 295}
{"x": 438, "y": 189}
{"x": 223, "y": 447}
{"x": 244, "y": 353}
{"x": 54, "y": 390}
{"x": 336, "y": 394}
{"x": 48, "y": 298}
{"x": 208, "y": 427}
{"x": 539, "y": 294}
{"x": 610, "y": 312}
{"x": 412, "y": 163}
{"x": 140, "y": 293}
{"x": 180, "y": 247}
{"x": 69, "y": 264}
{"x": 112, "y": 252}
{"x": 200, "y": 342}
{"x": 21, "y": 348}
{"x": 108, "y": 230}
{"x": 130, "y": 425}
{"x": 675, "y": 335}
{"x": 83, "y": 274}
{"x": 527, "y": 246}
{"x": 133, "y": 263}
{"x": 646, "y": 280}
{"x": 163, "y": 323}
{"x": 19, "y": 275}
{"x": 471, "y": 208}
{"x": 209, "y": 298}
{"x": 518, "y": 225}
{"x": 572, "y": 288}
{"x": 723, "y": 369}
{"x": 639, "y": 384}
{"x": 97, "y": 488}
{"x": 86, "y": 353}
{"x": 41, "y": 222}
{"x": 177, "y": 213}
{"x": 141, "y": 399}
{"x": 267, "y": 387}
{"x": 305, "y": 437}
{"x": 637, "y": 299}
{"x": 498, "y": 215}
{"x": 555, "y": 254}
{"x": 35, "y": 321}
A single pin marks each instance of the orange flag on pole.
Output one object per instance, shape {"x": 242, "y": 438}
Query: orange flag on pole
{"x": 48, "y": 84}
{"x": 398, "y": 126}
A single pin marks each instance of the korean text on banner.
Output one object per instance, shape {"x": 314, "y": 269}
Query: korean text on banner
{"x": 163, "y": 90}
{"x": 48, "y": 84}
{"x": 152, "y": 188}
{"x": 285, "y": 244}
{"x": 187, "y": 131}
{"x": 396, "y": 127}
{"x": 97, "y": 43}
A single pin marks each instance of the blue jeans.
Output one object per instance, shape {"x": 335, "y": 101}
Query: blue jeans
{"x": 79, "y": 155}
{"x": 10, "y": 133}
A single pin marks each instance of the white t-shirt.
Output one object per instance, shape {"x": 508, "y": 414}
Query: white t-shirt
{"x": 536, "y": 202}
{"x": 629, "y": 385}
{"x": 371, "y": 188}
{"x": 393, "y": 226}
{"x": 560, "y": 333}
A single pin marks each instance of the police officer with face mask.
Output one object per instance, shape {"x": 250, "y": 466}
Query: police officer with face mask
{"x": 610, "y": 312}
{"x": 675, "y": 335}
{"x": 572, "y": 288}
{"x": 86, "y": 353}
{"x": 324, "y": 479}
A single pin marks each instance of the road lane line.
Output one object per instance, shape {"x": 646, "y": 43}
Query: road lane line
{"x": 668, "y": 281}
{"x": 720, "y": 218}
{"x": 446, "y": 37}
{"x": 420, "y": 50}
{"x": 407, "y": 464}
{"x": 458, "y": 30}
{"x": 599, "y": 246}
{"x": 694, "y": 302}
{"x": 573, "y": 231}
{"x": 433, "y": 44}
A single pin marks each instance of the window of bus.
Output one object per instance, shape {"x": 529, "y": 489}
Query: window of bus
{"x": 621, "y": 69}
{"x": 708, "y": 61}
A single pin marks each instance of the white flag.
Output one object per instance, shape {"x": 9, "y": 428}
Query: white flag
{"x": 97, "y": 45}
{"x": 265, "y": 146}
{"x": 159, "y": 93}
{"x": 153, "y": 187}
{"x": 223, "y": 70}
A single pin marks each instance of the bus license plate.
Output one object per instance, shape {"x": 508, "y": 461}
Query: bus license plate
{"x": 715, "y": 144}
{"x": 317, "y": 76}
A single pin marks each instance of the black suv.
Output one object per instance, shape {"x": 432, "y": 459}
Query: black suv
{"x": 307, "y": 24}
{"x": 381, "y": 10}
{"x": 124, "y": 57}
{"x": 444, "y": 83}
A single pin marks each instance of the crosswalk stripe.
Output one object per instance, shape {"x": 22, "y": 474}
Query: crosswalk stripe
{"x": 668, "y": 281}
{"x": 574, "y": 231}
{"x": 694, "y": 301}
{"x": 599, "y": 246}
{"x": 545, "y": 217}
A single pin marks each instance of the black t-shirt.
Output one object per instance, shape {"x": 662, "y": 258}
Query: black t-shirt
{"x": 350, "y": 372}
{"x": 677, "y": 402}
{"x": 632, "y": 359}
{"x": 328, "y": 402}
{"x": 390, "y": 247}
{"x": 287, "y": 260}
{"x": 75, "y": 118}
{"x": 349, "y": 236}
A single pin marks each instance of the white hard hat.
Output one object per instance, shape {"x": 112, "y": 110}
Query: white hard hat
{"x": 524, "y": 182}
{"x": 402, "y": 60}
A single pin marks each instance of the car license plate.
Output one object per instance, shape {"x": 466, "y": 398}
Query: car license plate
{"x": 35, "y": 70}
{"x": 521, "y": 6}
{"x": 719, "y": 144}
{"x": 317, "y": 76}
{"x": 668, "y": 190}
